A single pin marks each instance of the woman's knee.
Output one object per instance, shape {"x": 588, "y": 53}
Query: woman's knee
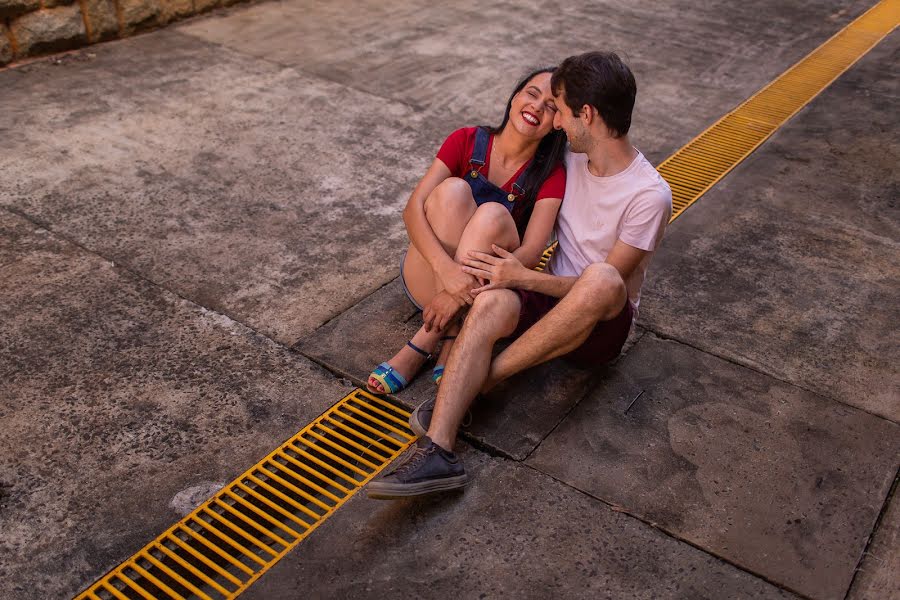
{"x": 494, "y": 221}
{"x": 602, "y": 289}
{"x": 451, "y": 198}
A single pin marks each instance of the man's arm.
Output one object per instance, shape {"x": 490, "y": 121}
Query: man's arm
{"x": 625, "y": 258}
{"x": 505, "y": 271}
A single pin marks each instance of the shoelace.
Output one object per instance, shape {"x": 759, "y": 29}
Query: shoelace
{"x": 414, "y": 460}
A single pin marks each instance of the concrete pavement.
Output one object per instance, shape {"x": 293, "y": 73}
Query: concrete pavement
{"x": 200, "y": 232}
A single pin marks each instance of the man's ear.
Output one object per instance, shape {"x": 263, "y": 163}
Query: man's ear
{"x": 588, "y": 114}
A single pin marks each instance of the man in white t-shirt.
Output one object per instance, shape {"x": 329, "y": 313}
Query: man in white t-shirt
{"x": 612, "y": 218}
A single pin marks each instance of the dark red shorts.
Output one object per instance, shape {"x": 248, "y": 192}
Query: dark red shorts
{"x": 602, "y": 345}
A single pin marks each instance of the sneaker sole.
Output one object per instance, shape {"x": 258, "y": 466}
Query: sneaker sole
{"x": 388, "y": 491}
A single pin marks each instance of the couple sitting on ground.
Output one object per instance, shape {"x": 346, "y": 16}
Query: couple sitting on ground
{"x": 478, "y": 222}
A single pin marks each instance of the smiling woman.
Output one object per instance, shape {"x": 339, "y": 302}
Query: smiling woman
{"x": 498, "y": 185}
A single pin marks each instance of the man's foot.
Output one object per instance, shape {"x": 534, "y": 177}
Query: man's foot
{"x": 428, "y": 468}
{"x": 420, "y": 419}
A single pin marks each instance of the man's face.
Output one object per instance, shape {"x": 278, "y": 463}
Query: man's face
{"x": 571, "y": 123}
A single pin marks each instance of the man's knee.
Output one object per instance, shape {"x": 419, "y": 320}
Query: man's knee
{"x": 496, "y": 310}
{"x": 601, "y": 289}
{"x": 453, "y": 195}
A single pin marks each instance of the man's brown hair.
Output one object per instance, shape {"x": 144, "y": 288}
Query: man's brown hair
{"x": 601, "y": 80}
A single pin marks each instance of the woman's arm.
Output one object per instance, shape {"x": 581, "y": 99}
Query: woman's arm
{"x": 420, "y": 233}
{"x": 537, "y": 233}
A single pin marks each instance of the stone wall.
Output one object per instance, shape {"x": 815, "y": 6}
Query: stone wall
{"x": 35, "y": 27}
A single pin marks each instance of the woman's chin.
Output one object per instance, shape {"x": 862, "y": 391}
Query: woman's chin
{"x": 530, "y": 131}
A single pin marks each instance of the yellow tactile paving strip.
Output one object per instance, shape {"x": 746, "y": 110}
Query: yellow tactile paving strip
{"x": 229, "y": 541}
{"x": 711, "y": 155}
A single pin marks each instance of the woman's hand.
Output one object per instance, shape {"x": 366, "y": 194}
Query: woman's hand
{"x": 458, "y": 284}
{"x": 441, "y": 310}
{"x": 503, "y": 270}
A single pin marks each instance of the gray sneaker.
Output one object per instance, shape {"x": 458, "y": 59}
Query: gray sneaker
{"x": 420, "y": 419}
{"x": 428, "y": 468}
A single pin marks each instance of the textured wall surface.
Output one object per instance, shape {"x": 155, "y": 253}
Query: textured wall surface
{"x": 35, "y": 27}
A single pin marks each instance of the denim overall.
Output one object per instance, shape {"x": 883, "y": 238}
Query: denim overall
{"x": 482, "y": 189}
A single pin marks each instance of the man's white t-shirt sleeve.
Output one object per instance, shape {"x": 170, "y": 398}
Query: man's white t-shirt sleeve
{"x": 645, "y": 220}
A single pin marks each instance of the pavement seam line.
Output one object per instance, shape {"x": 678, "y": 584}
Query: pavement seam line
{"x": 751, "y": 366}
{"x": 621, "y": 509}
{"x": 891, "y": 495}
{"x": 586, "y": 393}
{"x": 39, "y": 223}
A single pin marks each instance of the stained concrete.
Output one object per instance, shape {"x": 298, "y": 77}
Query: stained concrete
{"x": 789, "y": 265}
{"x": 774, "y": 478}
{"x": 243, "y": 186}
{"x": 457, "y": 60}
{"x": 254, "y": 163}
{"x": 877, "y": 576}
{"x": 512, "y": 419}
{"x": 514, "y": 533}
{"x": 118, "y": 395}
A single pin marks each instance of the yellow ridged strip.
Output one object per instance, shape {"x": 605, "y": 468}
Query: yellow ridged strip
{"x": 272, "y": 495}
{"x": 705, "y": 160}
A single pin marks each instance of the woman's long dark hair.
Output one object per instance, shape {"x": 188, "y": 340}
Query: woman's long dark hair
{"x": 549, "y": 153}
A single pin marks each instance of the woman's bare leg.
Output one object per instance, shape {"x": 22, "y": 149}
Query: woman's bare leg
{"x": 448, "y": 209}
{"x": 489, "y": 224}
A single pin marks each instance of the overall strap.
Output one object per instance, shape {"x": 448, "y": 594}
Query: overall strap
{"x": 518, "y": 187}
{"x": 479, "y": 153}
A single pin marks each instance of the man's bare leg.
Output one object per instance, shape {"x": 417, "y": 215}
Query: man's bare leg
{"x": 598, "y": 295}
{"x": 493, "y": 315}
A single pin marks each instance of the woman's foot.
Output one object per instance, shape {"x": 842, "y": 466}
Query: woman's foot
{"x": 406, "y": 363}
{"x": 437, "y": 373}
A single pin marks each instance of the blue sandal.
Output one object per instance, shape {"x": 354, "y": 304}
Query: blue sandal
{"x": 389, "y": 378}
{"x": 437, "y": 373}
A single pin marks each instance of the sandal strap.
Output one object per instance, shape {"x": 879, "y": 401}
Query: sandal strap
{"x": 390, "y": 380}
{"x": 427, "y": 355}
